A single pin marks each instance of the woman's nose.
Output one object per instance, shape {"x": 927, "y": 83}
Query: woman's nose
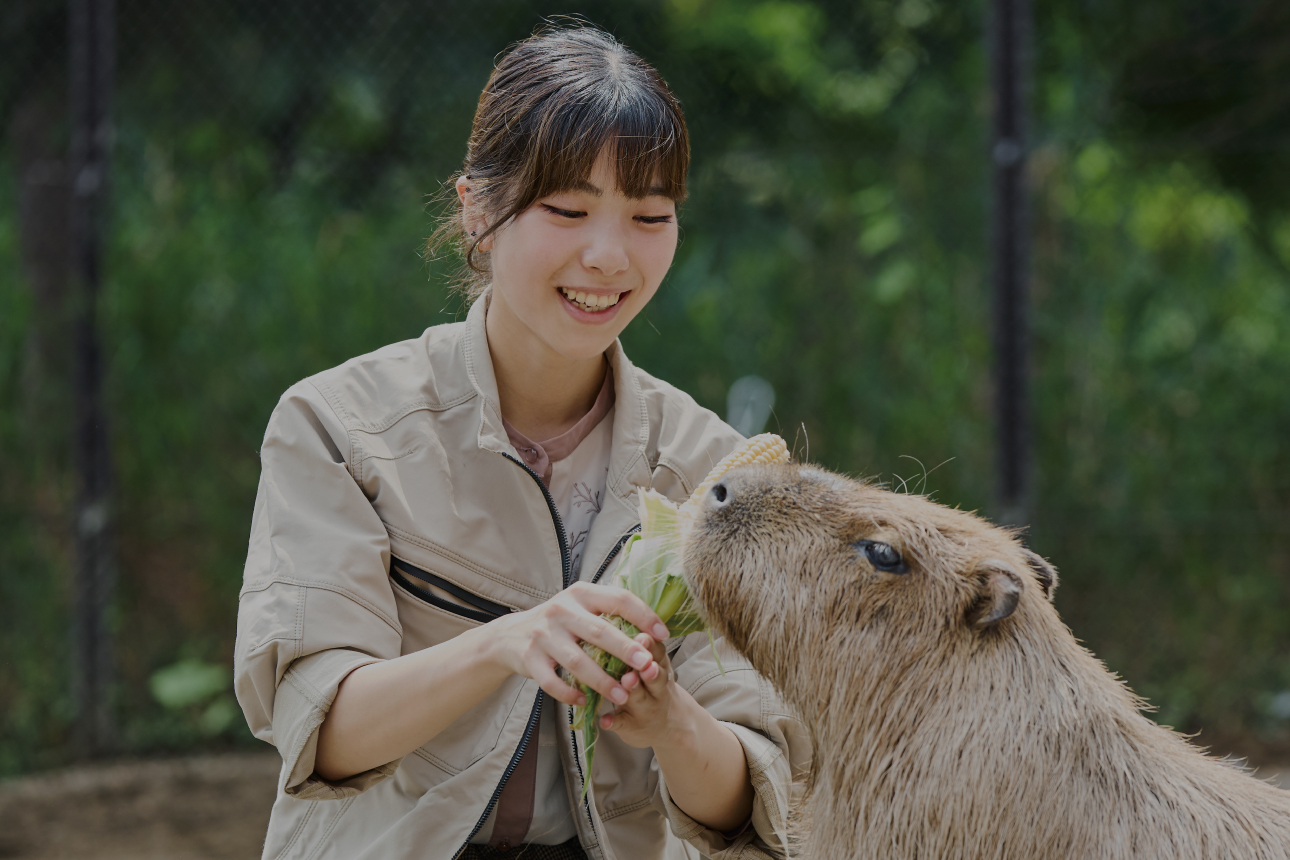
{"x": 607, "y": 254}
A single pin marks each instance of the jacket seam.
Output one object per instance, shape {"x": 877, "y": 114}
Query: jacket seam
{"x": 299, "y": 638}
{"x": 300, "y": 828}
{"x": 466, "y": 563}
{"x": 695, "y": 686}
{"x": 344, "y": 592}
{"x": 341, "y": 414}
{"x": 356, "y": 462}
{"x": 765, "y": 702}
{"x": 434, "y": 760}
{"x": 610, "y": 814}
{"x": 407, "y": 409}
{"x": 400, "y": 412}
{"x": 333, "y": 400}
{"x": 331, "y": 827}
{"x": 675, "y": 469}
{"x": 308, "y": 690}
{"x": 617, "y": 480}
{"x": 373, "y": 456}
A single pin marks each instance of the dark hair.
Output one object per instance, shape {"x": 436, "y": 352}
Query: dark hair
{"x": 552, "y": 104}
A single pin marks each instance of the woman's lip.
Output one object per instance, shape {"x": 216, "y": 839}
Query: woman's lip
{"x": 594, "y": 317}
{"x": 594, "y": 291}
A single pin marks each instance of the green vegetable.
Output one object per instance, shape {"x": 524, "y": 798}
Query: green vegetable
{"x": 650, "y": 568}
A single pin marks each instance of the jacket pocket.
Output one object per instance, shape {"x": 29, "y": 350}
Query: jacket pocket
{"x": 443, "y": 594}
{"x": 430, "y": 618}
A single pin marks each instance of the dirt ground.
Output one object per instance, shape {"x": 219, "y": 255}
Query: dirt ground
{"x": 199, "y": 808}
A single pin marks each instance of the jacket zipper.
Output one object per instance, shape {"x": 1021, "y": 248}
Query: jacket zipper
{"x": 476, "y": 608}
{"x": 510, "y": 768}
{"x": 566, "y": 563}
{"x": 613, "y": 553}
{"x": 566, "y": 573}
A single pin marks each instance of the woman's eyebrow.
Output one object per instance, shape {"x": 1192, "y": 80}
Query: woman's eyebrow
{"x": 585, "y": 186}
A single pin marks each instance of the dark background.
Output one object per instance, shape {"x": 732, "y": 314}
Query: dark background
{"x": 271, "y": 186}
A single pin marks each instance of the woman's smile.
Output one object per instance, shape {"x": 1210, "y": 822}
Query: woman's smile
{"x": 592, "y": 305}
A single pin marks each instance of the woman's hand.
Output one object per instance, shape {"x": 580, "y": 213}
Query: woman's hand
{"x": 387, "y": 709}
{"x": 701, "y": 759}
{"x": 657, "y": 712}
{"x": 534, "y": 642}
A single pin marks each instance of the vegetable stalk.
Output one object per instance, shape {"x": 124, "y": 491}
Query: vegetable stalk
{"x": 650, "y": 568}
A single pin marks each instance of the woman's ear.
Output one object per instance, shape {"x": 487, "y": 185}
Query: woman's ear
{"x": 471, "y": 219}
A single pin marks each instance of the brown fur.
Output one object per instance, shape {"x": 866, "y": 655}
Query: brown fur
{"x": 953, "y": 713}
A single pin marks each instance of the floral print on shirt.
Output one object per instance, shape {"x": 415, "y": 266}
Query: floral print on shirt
{"x": 587, "y": 501}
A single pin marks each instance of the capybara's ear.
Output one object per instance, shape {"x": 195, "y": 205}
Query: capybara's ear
{"x": 1044, "y": 570}
{"x": 998, "y": 590}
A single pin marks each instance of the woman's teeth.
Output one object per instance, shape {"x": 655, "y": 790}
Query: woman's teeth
{"x": 589, "y": 301}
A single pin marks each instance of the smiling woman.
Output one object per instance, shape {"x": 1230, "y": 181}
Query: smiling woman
{"x": 555, "y": 106}
{"x": 411, "y": 631}
{"x": 573, "y": 268}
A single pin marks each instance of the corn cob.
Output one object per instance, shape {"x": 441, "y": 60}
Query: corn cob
{"x": 650, "y": 568}
{"x": 765, "y": 448}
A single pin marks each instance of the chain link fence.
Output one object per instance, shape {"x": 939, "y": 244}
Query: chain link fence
{"x": 273, "y": 178}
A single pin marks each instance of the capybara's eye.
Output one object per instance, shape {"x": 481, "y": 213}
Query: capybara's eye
{"x": 882, "y": 556}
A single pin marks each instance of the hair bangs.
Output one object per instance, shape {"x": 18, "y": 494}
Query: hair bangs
{"x": 645, "y": 137}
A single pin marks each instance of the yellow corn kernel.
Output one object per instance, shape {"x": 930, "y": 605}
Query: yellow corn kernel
{"x": 764, "y": 448}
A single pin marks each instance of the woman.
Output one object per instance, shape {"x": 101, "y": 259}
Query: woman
{"x": 433, "y": 520}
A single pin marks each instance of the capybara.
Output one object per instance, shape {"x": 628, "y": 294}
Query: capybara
{"x": 953, "y": 713}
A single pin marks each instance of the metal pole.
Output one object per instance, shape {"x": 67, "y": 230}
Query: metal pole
{"x": 92, "y": 60}
{"x": 1009, "y": 43}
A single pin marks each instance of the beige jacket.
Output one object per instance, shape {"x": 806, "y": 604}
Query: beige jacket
{"x": 400, "y": 457}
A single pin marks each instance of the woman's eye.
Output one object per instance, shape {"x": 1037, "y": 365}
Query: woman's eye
{"x": 563, "y": 213}
{"x": 882, "y": 556}
{"x": 654, "y": 219}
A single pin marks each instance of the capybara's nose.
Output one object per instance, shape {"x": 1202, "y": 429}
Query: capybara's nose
{"x": 719, "y": 496}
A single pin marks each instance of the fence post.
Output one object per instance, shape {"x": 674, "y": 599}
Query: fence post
{"x": 91, "y": 34}
{"x": 1009, "y": 41}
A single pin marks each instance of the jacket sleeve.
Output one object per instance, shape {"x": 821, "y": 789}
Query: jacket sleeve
{"x": 775, "y": 742}
{"x": 316, "y": 602}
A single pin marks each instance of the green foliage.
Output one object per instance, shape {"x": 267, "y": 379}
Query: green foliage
{"x": 199, "y": 692}
{"x": 188, "y": 682}
{"x": 272, "y": 169}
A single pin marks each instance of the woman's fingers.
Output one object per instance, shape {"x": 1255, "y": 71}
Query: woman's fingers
{"x": 659, "y": 672}
{"x": 611, "y": 600}
{"x": 580, "y": 665}
{"x": 604, "y": 635}
{"x": 556, "y": 687}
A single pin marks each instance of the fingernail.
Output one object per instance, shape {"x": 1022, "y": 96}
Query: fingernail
{"x": 660, "y": 632}
{"x": 619, "y": 695}
{"x": 640, "y": 659}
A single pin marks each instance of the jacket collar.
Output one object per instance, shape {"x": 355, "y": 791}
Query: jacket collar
{"x": 629, "y": 466}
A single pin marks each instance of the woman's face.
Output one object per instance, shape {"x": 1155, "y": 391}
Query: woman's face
{"x": 574, "y": 268}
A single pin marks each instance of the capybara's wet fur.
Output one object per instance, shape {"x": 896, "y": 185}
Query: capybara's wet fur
{"x": 953, "y": 713}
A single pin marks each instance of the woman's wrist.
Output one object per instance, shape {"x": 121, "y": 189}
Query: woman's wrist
{"x": 488, "y": 651}
{"x": 683, "y": 736}
{"x": 384, "y": 710}
{"x": 705, "y": 768}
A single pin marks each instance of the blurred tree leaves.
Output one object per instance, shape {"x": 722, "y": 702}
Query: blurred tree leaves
{"x": 274, "y": 164}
